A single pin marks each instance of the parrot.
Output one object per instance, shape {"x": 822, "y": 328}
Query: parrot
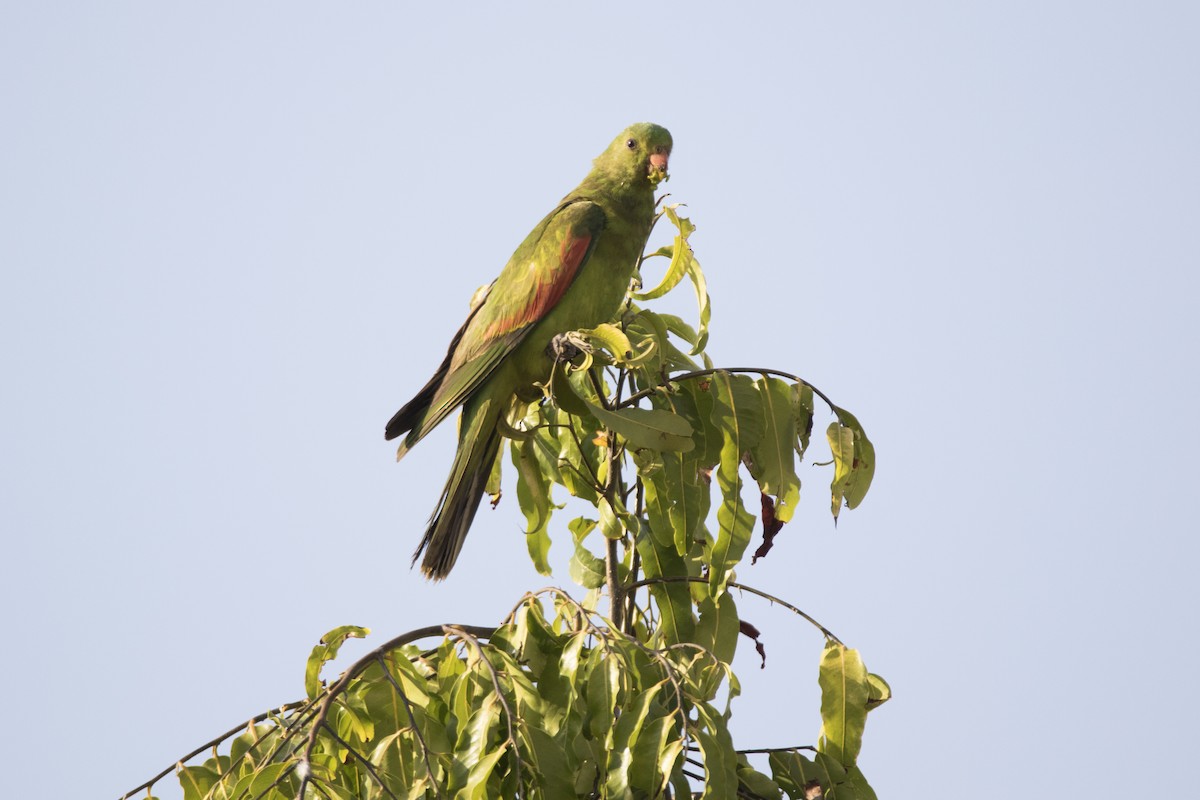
{"x": 571, "y": 272}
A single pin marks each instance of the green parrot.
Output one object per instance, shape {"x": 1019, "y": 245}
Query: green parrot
{"x": 572, "y": 271}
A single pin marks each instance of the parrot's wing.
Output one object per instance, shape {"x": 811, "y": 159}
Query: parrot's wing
{"x": 533, "y": 282}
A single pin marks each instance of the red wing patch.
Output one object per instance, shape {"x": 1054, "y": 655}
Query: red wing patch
{"x": 546, "y": 294}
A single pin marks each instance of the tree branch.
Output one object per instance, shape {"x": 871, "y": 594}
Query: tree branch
{"x": 733, "y": 585}
{"x": 214, "y": 742}
{"x": 700, "y": 373}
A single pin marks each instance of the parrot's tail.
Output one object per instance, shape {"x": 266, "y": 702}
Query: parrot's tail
{"x": 478, "y": 446}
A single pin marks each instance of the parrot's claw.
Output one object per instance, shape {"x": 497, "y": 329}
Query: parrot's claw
{"x": 566, "y": 346}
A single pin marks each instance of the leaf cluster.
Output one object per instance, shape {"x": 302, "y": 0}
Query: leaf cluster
{"x": 638, "y": 425}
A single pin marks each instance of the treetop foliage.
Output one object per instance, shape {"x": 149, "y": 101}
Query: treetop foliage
{"x": 560, "y": 699}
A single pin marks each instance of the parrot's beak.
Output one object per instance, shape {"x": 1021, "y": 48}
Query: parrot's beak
{"x": 658, "y": 168}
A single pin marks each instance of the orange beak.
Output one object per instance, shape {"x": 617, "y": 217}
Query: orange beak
{"x": 659, "y": 161}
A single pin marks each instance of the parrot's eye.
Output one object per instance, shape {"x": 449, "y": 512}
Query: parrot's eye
{"x": 632, "y": 143}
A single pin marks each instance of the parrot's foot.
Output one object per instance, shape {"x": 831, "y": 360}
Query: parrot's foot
{"x": 566, "y": 346}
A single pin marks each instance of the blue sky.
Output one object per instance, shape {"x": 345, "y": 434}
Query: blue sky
{"x": 237, "y": 237}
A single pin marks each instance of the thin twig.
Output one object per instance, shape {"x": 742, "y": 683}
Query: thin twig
{"x": 288, "y": 770}
{"x": 700, "y": 373}
{"x": 688, "y": 579}
{"x": 358, "y": 666}
{"x": 412, "y": 720}
{"x": 213, "y": 743}
{"x": 362, "y": 759}
{"x": 508, "y": 713}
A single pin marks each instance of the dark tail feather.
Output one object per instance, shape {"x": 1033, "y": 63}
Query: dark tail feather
{"x": 478, "y": 445}
{"x": 412, "y": 416}
{"x": 414, "y": 410}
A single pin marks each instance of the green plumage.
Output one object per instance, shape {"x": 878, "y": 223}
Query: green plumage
{"x": 572, "y": 271}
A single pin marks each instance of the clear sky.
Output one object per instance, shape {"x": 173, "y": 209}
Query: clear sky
{"x": 236, "y": 237}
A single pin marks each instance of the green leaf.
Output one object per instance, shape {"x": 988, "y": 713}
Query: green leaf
{"x": 645, "y": 773}
{"x": 737, "y": 411}
{"x": 676, "y": 269}
{"x": 680, "y": 253}
{"x": 854, "y": 460}
{"x": 802, "y": 413}
{"x": 602, "y": 689}
{"x": 720, "y": 761}
{"x": 196, "y": 781}
{"x": 648, "y": 427}
{"x": 683, "y": 262}
{"x": 717, "y": 629}
{"x": 492, "y": 487}
{"x": 587, "y": 569}
{"x": 326, "y": 650}
{"x": 772, "y": 459}
{"x": 550, "y": 759}
{"x": 472, "y": 749}
{"x": 265, "y": 777}
{"x": 844, "y": 695}
{"x": 625, "y": 735}
{"x": 649, "y": 335}
{"x": 796, "y": 774}
{"x": 253, "y": 742}
{"x": 565, "y": 396}
{"x": 533, "y": 496}
{"x": 674, "y": 600}
{"x": 841, "y": 444}
{"x": 610, "y": 523}
{"x": 752, "y": 781}
{"x": 677, "y": 326}
{"x": 481, "y": 769}
{"x": 612, "y": 339}
{"x": 701, "y": 393}
{"x": 879, "y": 691}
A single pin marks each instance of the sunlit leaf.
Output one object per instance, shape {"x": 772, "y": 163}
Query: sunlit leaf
{"x": 844, "y": 695}
{"x": 878, "y": 691}
{"x": 772, "y": 459}
{"x": 863, "y": 464}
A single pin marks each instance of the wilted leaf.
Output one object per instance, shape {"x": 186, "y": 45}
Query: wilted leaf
{"x": 771, "y": 526}
{"x": 746, "y": 629}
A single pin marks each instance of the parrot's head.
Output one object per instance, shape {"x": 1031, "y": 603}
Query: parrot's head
{"x": 638, "y": 155}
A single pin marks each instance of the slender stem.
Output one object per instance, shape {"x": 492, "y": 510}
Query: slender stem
{"x": 700, "y": 373}
{"x": 358, "y": 666}
{"x": 612, "y": 557}
{"x": 412, "y": 720}
{"x": 213, "y": 743}
{"x": 733, "y": 585}
{"x": 370, "y": 768}
{"x": 630, "y": 599}
{"x": 508, "y": 712}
